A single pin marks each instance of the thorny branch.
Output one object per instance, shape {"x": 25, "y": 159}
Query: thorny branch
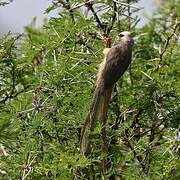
{"x": 12, "y": 45}
{"x": 135, "y": 120}
{"x": 12, "y": 95}
{"x": 113, "y": 17}
{"x": 138, "y": 157}
{"x": 126, "y": 5}
{"x": 89, "y": 4}
{"x": 67, "y": 6}
{"x": 129, "y": 15}
{"x": 27, "y": 167}
{"x": 103, "y": 26}
{"x": 177, "y": 25}
{"x": 81, "y": 4}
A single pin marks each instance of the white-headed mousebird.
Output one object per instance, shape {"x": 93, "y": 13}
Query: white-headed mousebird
{"x": 116, "y": 61}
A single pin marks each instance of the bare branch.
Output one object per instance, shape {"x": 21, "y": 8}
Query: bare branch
{"x": 89, "y": 4}
{"x": 113, "y": 18}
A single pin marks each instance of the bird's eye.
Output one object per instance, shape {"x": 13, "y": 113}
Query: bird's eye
{"x": 121, "y": 35}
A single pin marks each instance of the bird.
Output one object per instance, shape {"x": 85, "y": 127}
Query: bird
{"x": 115, "y": 63}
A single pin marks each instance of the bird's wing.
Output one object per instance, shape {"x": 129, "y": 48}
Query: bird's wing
{"x": 113, "y": 68}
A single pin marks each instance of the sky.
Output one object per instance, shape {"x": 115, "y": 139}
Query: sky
{"x": 20, "y": 13}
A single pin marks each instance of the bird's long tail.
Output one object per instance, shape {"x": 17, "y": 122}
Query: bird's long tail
{"x": 90, "y": 123}
{"x": 98, "y": 101}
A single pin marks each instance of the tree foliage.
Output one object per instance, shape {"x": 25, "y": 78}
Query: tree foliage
{"x": 47, "y": 77}
{"x": 5, "y": 2}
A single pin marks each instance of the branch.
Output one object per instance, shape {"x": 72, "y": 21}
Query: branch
{"x": 12, "y": 95}
{"x": 168, "y": 40}
{"x": 138, "y": 157}
{"x": 127, "y": 5}
{"x": 129, "y": 15}
{"x": 113, "y": 18}
{"x": 89, "y": 4}
{"x": 66, "y": 5}
{"x": 81, "y": 4}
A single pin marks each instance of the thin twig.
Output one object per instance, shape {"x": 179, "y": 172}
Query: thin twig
{"x": 90, "y": 6}
{"x": 27, "y": 167}
{"x": 81, "y": 4}
{"x": 55, "y": 59}
{"x": 168, "y": 40}
{"x": 107, "y": 8}
{"x": 147, "y": 75}
{"x": 138, "y": 157}
{"x": 129, "y": 15}
{"x": 12, "y": 95}
{"x": 126, "y": 4}
{"x": 113, "y": 17}
{"x": 66, "y": 5}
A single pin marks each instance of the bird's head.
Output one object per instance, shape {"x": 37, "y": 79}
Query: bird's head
{"x": 126, "y": 37}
